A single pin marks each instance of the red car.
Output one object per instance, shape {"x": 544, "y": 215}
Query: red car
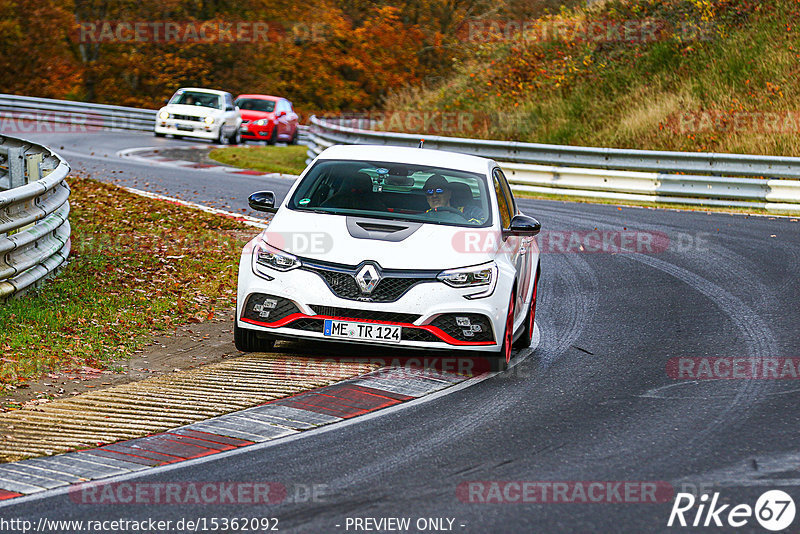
{"x": 267, "y": 118}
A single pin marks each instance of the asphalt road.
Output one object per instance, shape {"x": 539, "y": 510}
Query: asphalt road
{"x": 593, "y": 403}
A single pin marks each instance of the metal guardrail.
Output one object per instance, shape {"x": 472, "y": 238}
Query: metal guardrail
{"x": 77, "y": 116}
{"x": 34, "y": 210}
{"x": 84, "y": 116}
{"x": 695, "y": 178}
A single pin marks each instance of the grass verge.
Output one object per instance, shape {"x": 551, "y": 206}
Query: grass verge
{"x": 138, "y": 267}
{"x": 282, "y": 159}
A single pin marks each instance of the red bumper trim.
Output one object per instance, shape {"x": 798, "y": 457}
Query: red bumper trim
{"x": 438, "y": 332}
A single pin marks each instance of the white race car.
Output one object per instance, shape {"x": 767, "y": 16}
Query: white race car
{"x": 392, "y": 246}
{"x": 204, "y": 113}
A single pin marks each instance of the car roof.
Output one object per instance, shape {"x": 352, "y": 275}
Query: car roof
{"x": 202, "y": 90}
{"x": 261, "y": 97}
{"x": 421, "y": 156}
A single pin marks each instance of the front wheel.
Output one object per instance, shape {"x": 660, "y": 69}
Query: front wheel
{"x": 236, "y": 138}
{"x": 294, "y": 138}
{"x": 221, "y": 139}
{"x": 273, "y": 137}
{"x": 508, "y": 335}
{"x": 248, "y": 340}
{"x": 526, "y": 338}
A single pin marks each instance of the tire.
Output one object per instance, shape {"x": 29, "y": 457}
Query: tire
{"x": 526, "y": 338}
{"x": 273, "y": 138}
{"x": 157, "y": 134}
{"x": 293, "y": 141}
{"x": 249, "y": 341}
{"x": 508, "y": 336}
{"x": 221, "y": 139}
{"x": 236, "y": 138}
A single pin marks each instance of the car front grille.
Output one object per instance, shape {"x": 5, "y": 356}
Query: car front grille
{"x": 364, "y": 315}
{"x": 309, "y": 325}
{"x": 394, "y": 283}
{"x": 267, "y": 308}
{"x": 186, "y": 117}
{"x": 472, "y": 327}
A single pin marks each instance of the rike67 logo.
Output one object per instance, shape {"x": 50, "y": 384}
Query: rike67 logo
{"x": 774, "y": 510}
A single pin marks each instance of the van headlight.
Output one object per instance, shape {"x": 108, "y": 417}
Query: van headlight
{"x": 163, "y": 115}
{"x": 478, "y": 276}
{"x": 267, "y": 258}
{"x": 209, "y": 120}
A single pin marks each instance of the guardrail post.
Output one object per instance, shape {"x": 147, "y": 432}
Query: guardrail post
{"x": 16, "y": 167}
{"x": 33, "y": 167}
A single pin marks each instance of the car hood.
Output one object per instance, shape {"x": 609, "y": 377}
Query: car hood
{"x": 250, "y": 115}
{"x": 197, "y": 111}
{"x": 327, "y": 237}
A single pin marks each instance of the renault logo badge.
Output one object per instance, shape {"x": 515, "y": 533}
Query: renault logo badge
{"x": 368, "y": 278}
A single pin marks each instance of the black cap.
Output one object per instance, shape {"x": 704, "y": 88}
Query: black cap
{"x": 436, "y": 181}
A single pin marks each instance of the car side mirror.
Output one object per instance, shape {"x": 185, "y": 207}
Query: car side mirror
{"x": 280, "y": 114}
{"x": 523, "y": 225}
{"x": 263, "y": 201}
{"x": 166, "y": 101}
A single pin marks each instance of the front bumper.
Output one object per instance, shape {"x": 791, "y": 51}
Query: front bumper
{"x": 426, "y": 312}
{"x": 186, "y": 128}
{"x": 256, "y": 133}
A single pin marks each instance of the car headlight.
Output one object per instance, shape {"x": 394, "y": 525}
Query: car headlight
{"x": 209, "y": 120}
{"x": 266, "y": 258}
{"x": 163, "y": 115}
{"x": 261, "y": 122}
{"x": 484, "y": 275}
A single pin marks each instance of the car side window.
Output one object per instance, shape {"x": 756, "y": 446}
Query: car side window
{"x": 507, "y": 189}
{"x": 502, "y": 199}
{"x": 228, "y": 101}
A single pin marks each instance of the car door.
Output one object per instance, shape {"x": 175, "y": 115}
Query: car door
{"x": 230, "y": 115}
{"x": 292, "y": 119}
{"x": 518, "y": 248}
{"x": 282, "y": 118}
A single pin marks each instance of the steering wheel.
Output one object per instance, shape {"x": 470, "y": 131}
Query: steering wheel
{"x": 447, "y": 209}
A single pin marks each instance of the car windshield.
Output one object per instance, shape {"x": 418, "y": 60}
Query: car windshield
{"x": 254, "y": 104}
{"x": 196, "y": 98}
{"x": 394, "y": 191}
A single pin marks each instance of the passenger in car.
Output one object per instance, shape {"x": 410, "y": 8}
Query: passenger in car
{"x": 356, "y": 193}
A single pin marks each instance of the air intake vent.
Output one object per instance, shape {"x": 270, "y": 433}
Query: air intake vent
{"x": 375, "y": 227}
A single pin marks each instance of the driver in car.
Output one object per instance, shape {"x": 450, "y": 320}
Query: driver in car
{"x": 439, "y": 193}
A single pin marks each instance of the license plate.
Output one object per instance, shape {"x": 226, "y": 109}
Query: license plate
{"x": 185, "y": 128}
{"x": 362, "y": 331}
